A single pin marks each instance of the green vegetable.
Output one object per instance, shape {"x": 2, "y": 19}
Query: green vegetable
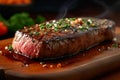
{"x": 3, "y": 20}
{"x": 20, "y": 20}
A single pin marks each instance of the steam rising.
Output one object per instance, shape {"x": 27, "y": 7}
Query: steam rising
{"x": 65, "y": 7}
{"x": 109, "y": 9}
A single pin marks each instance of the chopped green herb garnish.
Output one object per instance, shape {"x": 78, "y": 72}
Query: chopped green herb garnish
{"x": 48, "y": 25}
{"x": 36, "y": 33}
{"x": 72, "y": 19}
{"x": 88, "y": 23}
{"x": 68, "y": 23}
{"x": 115, "y": 45}
{"x": 56, "y": 28}
{"x": 31, "y": 33}
{"x": 92, "y": 25}
{"x": 42, "y": 26}
{"x": 10, "y": 47}
{"x": 65, "y": 26}
{"x": 84, "y": 28}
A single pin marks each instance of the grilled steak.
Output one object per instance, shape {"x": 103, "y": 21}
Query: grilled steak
{"x": 62, "y": 37}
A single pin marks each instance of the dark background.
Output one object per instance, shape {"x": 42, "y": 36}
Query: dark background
{"x": 55, "y": 9}
{"x": 64, "y": 7}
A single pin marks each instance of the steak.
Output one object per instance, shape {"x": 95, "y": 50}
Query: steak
{"x": 58, "y": 38}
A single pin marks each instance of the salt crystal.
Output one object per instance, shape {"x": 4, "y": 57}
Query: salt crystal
{"x": 6, "y": 47}
{"x": 99, "y": 49}
{"x": 26, "y": 65}
{"x": 59, "y": 65}
{"x": 0, "y": 52}
{"x": 114, "y": 39}
{"x": 44, "y": 65}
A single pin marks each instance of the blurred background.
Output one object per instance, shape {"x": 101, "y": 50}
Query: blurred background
{"x": 15, "y": 14}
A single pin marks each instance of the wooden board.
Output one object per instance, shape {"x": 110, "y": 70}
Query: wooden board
{"x": 85, "y": 65}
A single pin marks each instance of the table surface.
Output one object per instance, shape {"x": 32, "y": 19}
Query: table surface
{"x": 113, "y": 75}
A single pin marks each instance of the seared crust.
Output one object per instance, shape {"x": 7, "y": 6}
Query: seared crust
{"x": 57, "y": 44}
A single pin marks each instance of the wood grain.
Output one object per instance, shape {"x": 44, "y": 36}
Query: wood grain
{"x": 91, "y": 65}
